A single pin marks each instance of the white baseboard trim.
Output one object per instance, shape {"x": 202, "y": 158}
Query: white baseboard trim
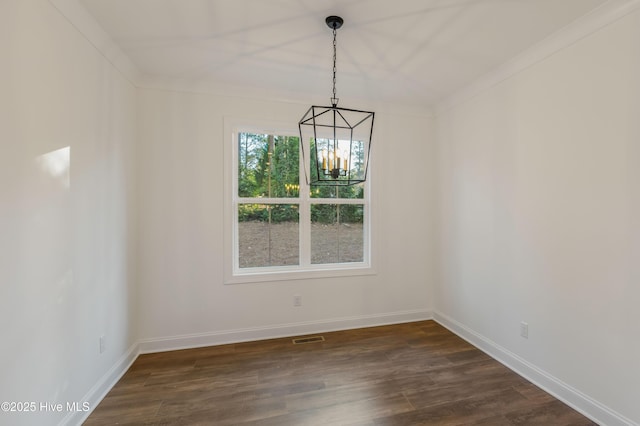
{"x": 102, "y": 387}
{"x": 97, "y": 393}
{"x": 283, "y": 330}
{"x": 562, "y": 391}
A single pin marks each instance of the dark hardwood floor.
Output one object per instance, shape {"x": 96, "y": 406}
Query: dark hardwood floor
{"x": 407, "y": 374}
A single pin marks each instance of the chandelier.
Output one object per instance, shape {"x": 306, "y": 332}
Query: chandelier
{"x": 338, "y": 139}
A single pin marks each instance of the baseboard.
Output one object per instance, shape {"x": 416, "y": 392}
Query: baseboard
{"x": 565, "y": 393}
{"x": 102, "y": 387}
{"x": 283, "y": 330}
{"x": 95, "y": 395}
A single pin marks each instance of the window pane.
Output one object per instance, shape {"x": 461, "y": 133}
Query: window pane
{"x": 268, "y": 235}
{"x": 268, "y": 165}
{"x": 337, "y": 233}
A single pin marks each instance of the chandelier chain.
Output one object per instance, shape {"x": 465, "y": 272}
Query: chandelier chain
{"x": 335, "y": 98}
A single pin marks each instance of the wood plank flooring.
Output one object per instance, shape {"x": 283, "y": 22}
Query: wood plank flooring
{"x": 408, "y": 374}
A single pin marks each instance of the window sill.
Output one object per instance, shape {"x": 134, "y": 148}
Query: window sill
{"x": 256, "y": 275}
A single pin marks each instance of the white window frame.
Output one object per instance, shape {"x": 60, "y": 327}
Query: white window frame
{"x": 233, "y": 274}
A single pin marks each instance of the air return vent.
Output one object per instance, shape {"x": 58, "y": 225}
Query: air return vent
{"x": 311, "y": 339}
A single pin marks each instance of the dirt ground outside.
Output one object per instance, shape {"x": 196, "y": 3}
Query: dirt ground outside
{"x": 277, "y": 244}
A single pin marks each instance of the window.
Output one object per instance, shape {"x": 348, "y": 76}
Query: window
{"x": 281, "y": 227}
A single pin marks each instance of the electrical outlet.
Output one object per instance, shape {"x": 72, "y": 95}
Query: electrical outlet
{"x": 524, "y": 330}
{"x": 297, "y": 300}
{"x": 102, "y": 344}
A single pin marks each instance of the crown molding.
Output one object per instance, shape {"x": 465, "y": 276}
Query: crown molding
{"x": 256, "y": 93}
{"x": 600, "y": 17}
{"x": 76, "y": 14}
{"x": 86, "y": 25}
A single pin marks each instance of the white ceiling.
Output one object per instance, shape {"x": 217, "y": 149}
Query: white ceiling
{"x": 413, "y": 52}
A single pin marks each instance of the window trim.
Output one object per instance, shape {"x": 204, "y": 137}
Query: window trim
{"x": 235, "y": 275}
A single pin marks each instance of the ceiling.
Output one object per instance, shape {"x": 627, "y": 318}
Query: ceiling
{"x": 412, "y": 52}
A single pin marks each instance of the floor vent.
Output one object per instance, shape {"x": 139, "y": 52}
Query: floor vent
{"x": 312, "y": 339}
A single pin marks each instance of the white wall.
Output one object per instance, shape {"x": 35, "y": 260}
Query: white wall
{"x": 538, "y": 199}
{"x": 181, "y": 230}
{"x": 67, "y": 131}
{"x": 540, "y": 218}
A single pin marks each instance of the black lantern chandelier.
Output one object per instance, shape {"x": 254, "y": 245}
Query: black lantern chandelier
{"x": 339, "y": 139}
